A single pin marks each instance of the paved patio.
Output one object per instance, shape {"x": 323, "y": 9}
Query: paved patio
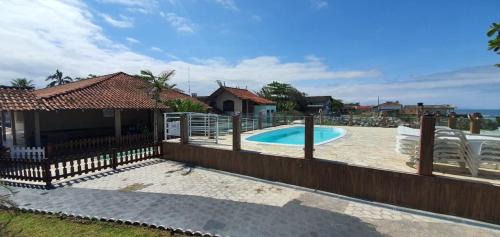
{"x": 363, "y": 146}
{"x": 178, "y": 196}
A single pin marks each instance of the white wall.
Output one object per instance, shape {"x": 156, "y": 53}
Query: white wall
{"x": 238, "y": 104}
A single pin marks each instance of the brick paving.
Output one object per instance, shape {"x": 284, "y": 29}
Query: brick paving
{"x": 178, "y": 196}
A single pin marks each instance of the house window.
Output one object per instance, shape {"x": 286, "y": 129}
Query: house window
{"x": 228, "y": 106}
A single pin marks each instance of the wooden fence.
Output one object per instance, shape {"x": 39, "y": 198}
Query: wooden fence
{"x": 438, "y": 194}
{"x": 96, "y": 144}
{"x": 56, "y": 167}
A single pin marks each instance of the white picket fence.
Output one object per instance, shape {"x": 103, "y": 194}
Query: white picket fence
{"x": 20, "y": 152}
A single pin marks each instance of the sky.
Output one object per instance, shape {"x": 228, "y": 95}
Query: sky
{"x": 427, "y": 51}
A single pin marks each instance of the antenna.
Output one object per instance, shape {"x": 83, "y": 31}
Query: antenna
{"x": 219, "y": 83}
{"x": 189, "y": 81}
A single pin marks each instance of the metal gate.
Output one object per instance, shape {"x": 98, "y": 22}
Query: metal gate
{"x": 201, "y": 127}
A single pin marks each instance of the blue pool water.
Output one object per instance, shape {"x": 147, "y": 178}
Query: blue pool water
{"x": 295, "y": 135}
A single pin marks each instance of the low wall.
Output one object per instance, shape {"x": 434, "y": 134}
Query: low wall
{"x": 443, "y": 195}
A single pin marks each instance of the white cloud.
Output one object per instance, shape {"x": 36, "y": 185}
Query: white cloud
{"x": 62, "y": 35}
{"x": 156, "y": 49}
{"x": 124, "y": 22}
{"x": 471, "y": 87}
{"x": 132, "y": 40}
{"x": 140, "y": 6}
{"x": 181, "y": 24}
{"x": 228, "y": 4}
{"x": 319, "y": 3}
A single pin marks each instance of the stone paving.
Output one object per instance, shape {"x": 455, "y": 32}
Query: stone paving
{"x": 363, "y": 146}
{"x": 172, "y": 194}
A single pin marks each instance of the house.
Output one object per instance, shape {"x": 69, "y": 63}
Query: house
{"x": 443, "y": 110}
{"x": 110, "y": 105}
{"x": 230, "y": 100}
{"x": 319, "y": 104}
{"x": 390, "y": 107}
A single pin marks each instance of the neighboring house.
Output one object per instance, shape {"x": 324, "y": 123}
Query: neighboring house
{"x": 390, "y": 107}
{"x": 317, "y": 104}
{"x": 230, "y": 100}
{"x": 115, "y": 104}
{"x": 356, "y": 108}
{"x": 443, "y": 110}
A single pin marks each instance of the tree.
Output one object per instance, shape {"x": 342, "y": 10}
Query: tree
{"x": 88, "y": 77}
{"x": 157, "y": 85}
{"x": 22, "y": 83}
{"x": 58, "y": 79}
{"x": 287, "y": 97}
{"x": 337, "y": 105}
{"x": 185, "y": 105}
{"x": 494, "y": 42}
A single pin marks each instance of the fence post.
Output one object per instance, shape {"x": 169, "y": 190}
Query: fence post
{"x": 349, "y": 123}
{"x": 260, "y": 121}
{"x": 236, "y": 133}
{"x": 475, "y": 123}
{"x": 452, "y": 121}
{"x": 114, "y": 158}
{"x": 162, "y": 151}
{"x": 184, "y": 129}
{"x": 425, "y": 165}
{"x": 274, "y": 119}
{"x": 47, "y": 175}
{"x": 309, "y": 137}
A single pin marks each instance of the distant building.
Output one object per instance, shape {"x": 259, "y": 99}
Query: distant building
{"x": 390, "y": 107}
{"x": 315, "y": 104}
{"x": 443, "y": 110}
{"x": 230, "y": 100}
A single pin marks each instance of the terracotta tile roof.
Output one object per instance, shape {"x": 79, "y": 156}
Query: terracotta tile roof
{"x": 113, "y": 91}
{"x": 13, "y": 98}
{"x": 243, "y": 94}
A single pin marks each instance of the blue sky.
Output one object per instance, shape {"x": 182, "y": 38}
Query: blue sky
{"x": 412, "y": 51}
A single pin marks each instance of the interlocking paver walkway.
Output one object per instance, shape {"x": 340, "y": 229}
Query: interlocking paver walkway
{"x": 174, "y": 195}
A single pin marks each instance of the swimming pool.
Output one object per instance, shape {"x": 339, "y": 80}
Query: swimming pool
{"x": 295, "y": 135}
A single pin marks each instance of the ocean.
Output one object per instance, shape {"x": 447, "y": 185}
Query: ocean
{"x": 487, "y": 113}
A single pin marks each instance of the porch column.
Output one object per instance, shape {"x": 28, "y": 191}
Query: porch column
{"x": 118, "y": 123}
{"x": 38, "y": 142}
{"x": 3, "y": 136}
{"x": 13, "y": 127}
{"x": 155, "y": 125}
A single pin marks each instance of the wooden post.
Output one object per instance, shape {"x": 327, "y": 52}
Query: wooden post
{"x": 452, "y": 121}
{"x": 38, "y": 142}
{"x": 236, "y": 133}
{"x": 274, "y": 119}
{"x": 260, "y": 121}
{"x": 114, "y": 158}
{"x": 427, "y": 127}
{"x": 13, "y": 127}
{"x": 350, "y": 119}
{"x": 4, "y": 132}
{"x": 420, "y": 111}
{"x": 47, "y": 174}
{"x": 118, "y": 124}
{"x": 309, "y": 137}
{"x": 475, "y": 123}
{"x": 184, "y": 129}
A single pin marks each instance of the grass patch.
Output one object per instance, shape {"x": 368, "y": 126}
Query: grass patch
{"x": 19, "y": 224}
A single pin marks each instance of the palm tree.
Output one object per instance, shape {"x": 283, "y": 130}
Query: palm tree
{"x": 58, "y": 79}
{"x": 494, "y": 43}
{"x": 22, "y": 83}
{"x": 158, "y": 84}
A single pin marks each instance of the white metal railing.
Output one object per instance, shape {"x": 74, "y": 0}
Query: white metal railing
{"x": 201, "y": 127}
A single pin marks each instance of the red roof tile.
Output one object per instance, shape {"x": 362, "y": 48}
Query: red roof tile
{"x": 243, "y": 94}
{"x": 114, "y": 91}
{"x": 20, "y": 99}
